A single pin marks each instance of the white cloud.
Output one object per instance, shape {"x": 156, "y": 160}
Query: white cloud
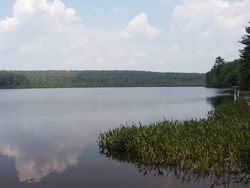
{"x": 43, "y": 34}
{"x": 139, "y": 27}
{"x": 37, "y": 25}
{"x": 8, "y": 24}
{"x": 212, "y": 27}
{"x": 195, "y": 15}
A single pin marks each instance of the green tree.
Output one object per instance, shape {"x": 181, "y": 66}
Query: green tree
{"x": 219, "y": 61}
{"x": 244, "y": 69}
{"x": 214, "y": 77}
{"x": 223, "y": 74}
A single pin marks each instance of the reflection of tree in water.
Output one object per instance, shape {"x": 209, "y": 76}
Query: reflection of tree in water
{"x": 218, "y": 100}
{"x": 215, "y": 149}
{"x": 185, "y": 175}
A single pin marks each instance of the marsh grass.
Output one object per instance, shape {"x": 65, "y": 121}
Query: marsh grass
{"x": 217, "y": 147}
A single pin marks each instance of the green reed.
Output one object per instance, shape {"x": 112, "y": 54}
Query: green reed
{"x": 217, "y": 147}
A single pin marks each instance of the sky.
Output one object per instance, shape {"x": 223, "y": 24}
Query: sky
{"x": 151, "y": 35}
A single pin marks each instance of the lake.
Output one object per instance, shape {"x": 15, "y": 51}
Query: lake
{"x": 48, "y": 137}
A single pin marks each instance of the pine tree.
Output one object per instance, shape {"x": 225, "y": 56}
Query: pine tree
{"x": 244, "y": 69}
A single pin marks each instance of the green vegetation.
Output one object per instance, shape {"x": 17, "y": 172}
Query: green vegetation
{"x": 227, "y": 74}
{"x": 223, "y": 75}
{"x": 217, "y": 147}
{"x": 10, "y": 79}
{"x": 244, "y": 68}
{"x": 60, "y": 79}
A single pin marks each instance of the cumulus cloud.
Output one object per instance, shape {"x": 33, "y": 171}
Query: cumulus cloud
{"x": 203, "y": 16}
{"x": 139, "y": 27}
{"x": 43, "y": 34}
{"x": 37, "y": 24}
{"x": 210, "y": 28}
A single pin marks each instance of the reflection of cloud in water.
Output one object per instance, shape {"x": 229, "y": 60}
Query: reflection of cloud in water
{"x": 46, "y": 130}
{"x": 40, "y": 150}
{"x": 33, "y": 170}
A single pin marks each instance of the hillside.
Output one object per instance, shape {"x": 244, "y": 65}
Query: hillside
{"x": 65, "y": 79}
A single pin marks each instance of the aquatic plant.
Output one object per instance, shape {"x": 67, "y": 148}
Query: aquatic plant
{"x": 217, "y": 147}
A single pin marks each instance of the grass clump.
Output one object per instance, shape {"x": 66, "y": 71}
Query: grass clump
{"x": 217, "y": 147}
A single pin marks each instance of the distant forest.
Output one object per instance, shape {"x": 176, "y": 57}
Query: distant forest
{"x": 227, "y": 74}
{"x": 65, "y": 79}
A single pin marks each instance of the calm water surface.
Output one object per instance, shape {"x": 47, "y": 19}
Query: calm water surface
{"x": 48, "y": 136}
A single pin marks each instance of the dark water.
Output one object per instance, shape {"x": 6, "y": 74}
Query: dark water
{"x": 48, "y": 136}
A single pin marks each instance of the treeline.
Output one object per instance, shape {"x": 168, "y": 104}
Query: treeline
{"x": 228, "y": 74}
{"x": 223, "y": 74}
{"x": 64, "y": 79}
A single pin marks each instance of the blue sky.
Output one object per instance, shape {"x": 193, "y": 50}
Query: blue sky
{"x": 6, "y": 8}
{"x": 93, "y": 12}
{"x": 154, "y": 35}
{"x": 111, "y": 12}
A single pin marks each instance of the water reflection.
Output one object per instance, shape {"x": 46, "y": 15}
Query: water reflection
{"x": 48, "y": 136}
{"x": 215, "y": 101}
{"x": 182, "y": 174}
{"x": 39, "y": 149}
{"x": 115, "y": 146}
